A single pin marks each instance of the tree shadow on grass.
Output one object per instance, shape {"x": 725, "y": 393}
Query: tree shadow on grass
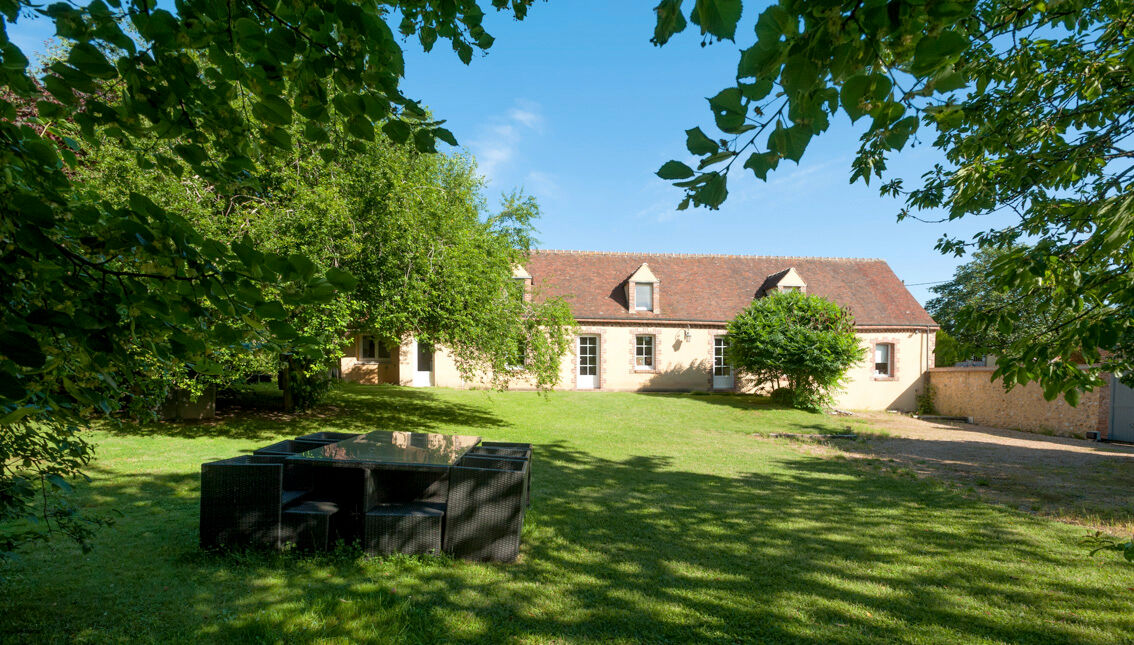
{"x": 347, "y": 409}
{"x": 789, "y": 419}
{"x": 813, "y": 551}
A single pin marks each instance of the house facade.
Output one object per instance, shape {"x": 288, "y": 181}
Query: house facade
{"x": 656, "y": 322}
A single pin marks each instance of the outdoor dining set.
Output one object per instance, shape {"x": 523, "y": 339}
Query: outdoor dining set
{"x": 390, "y": 491}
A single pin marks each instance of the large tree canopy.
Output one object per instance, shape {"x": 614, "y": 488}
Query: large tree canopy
{"x": 1032, "y": 106}
{"x": 96, "y": 291}
{"x": 410, "y": 227}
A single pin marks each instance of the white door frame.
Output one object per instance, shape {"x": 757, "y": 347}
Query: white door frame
{"x": 421, "y": 378}
{"x": 588, "y": 381}
{"x": 723, "y": 382}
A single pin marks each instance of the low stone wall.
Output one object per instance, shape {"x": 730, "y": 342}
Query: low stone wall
{"x": 970, "y": 392}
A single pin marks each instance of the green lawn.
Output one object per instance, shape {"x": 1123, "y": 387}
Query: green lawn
{"x": 655, "y": 518}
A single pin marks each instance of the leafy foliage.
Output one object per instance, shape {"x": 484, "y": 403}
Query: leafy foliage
{"x": 1030, "y": 104}
{"x": 973, "y": 292}
{"x": 1099, "y": 541}
{"x": 96, "y": 292}
{"x": 926, "y": 401}
{"x": 806, "y": 341}
{"x": 409, "y": 227}
{"x": 946, "y": 350}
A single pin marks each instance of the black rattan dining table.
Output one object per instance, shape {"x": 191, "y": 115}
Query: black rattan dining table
{"x": 390, "y": 491}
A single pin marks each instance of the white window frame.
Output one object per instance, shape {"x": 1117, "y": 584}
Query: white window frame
{"x": 721, "y": 368}
{"x": 889, "y": 373}
{"x": 643, "y": 361}
{"x": 648, "y": 306}
{"x": 378, "y": 347}
{"x": 523, "y": 364}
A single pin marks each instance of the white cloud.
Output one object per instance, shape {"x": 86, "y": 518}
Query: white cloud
{"x": 663, "y": 210}
{"x": 543, "y": 185}
{"x": 499, "y": 141}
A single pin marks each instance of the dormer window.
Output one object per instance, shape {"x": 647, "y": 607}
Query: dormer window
{"x": 644, "y": 296}
{"x": 524, "y": 279}
{"x": 642, "y": 290}
{"x": 786, "y": 281}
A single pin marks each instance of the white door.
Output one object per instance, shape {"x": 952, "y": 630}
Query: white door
{"x": 722, "y": 371}
{"x": 1121, "y": 411}
{"x": 423, "y": 365}
{"x": 587, "y": 378}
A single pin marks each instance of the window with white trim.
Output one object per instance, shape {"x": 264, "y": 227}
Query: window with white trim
{"x": 884, "y": 359}
{"x": 644, "y": 352}
{"x": 644, "y": 296}
{"x": 519, "y": 357}
{"x": 720, "y": 357}
{"x": 373, "y": 349}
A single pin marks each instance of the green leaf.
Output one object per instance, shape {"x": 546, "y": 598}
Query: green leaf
{"x": 762, "y": 162}
{"x": 302, "y": 265}
{"x": 774, "y": 23}
{"x": 271, "y": 310}
{"x": 59, "y": 482}
{"x": 193, "y": 154}
{"x": 699, "y": 144}
{"x": 423, "y": 141}
{"x": 273, "y": 109}
{"x": 344, "y": 280}
{"x": 21, "y": 349}
{"x": 799, "y": 75}
{"x": 281, "y": 329}
{"x": 670, "y": 21}
{"x": 445, "y": 135}
{"x": 728, "y": 111}
{"x": 672, "y": 170}
{"x": 863, "y": 89}
{"x": 713, "y": 192}
{"x": 17, "y": 414}
{"x": 756, "y": 91}
{"x": 789, "y": 142}
{"x": 360, "y": 127}
{"x": 398, "y": 131}
{"x": 716, "y": 17}
{"x": 715, "y": 159}
{"x": 934, "y": 52}
{"x": 1072, "y": 396}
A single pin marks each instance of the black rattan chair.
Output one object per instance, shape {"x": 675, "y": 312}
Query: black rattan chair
{"x": 502, "y": 452}
{"x": 310, "y": 525}
{"x": 485, "y": 512}
{"x": 241, "y": 503}
{"x": 289, "y": 447}
{"x": 411, "y": 528}
{"x": 508, "y": 449}
{"x": 298, "y": 478}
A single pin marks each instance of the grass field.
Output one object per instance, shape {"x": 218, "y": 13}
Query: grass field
{"x": 655, "y": 518}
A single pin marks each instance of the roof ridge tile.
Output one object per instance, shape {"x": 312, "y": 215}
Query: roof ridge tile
{"x": 708, "y": 255}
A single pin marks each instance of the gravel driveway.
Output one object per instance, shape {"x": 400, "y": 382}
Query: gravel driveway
{"x": 1069, "y": 479}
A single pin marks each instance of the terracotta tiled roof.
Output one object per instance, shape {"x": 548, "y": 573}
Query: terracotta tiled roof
{"x": 714, "y": 288}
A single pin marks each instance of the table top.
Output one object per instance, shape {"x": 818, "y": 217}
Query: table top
{"x": 420, "y": 449}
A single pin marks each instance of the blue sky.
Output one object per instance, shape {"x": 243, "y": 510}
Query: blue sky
{"x": 575, "y": 106}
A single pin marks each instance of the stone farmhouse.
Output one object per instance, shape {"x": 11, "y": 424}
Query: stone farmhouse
{"x": 656, "y": 322}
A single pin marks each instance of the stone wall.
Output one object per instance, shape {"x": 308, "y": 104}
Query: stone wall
{"x": 970, "y": 392}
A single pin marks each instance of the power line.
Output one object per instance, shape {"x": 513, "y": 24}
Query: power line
{"x": 922, "y": 284}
